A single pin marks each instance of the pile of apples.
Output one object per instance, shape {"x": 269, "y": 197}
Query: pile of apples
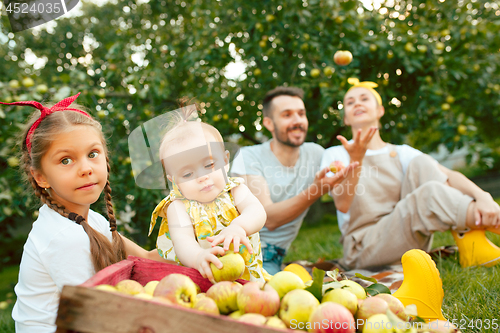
{"x": 283, "y": 302}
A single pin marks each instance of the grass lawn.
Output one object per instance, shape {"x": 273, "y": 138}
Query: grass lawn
{"x": 471, "y": 296}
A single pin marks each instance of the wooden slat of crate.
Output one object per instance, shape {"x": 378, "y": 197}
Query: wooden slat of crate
{"x": 87, "y": 310}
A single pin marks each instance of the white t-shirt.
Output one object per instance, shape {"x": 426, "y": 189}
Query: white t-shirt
{"x": 57, "y": 253}
{"x": 283, "y": 182}
{"x": 338, "y": 153}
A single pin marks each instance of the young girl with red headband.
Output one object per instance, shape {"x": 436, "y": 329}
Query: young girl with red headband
{"x": 65, "y": 159}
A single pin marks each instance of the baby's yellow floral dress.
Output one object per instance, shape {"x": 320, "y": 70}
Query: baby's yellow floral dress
{"x": 209, "y": 220}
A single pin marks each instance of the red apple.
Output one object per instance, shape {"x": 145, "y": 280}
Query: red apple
{"x": 256, "y": 297}
{"x": 342, "y": 58}
{"x": 395, "y": 305}
{"x": 331, "y": 317}
{"x": 177, "y": 288}
{"x": 206, "y": 304}
{"x": 225, "y": 294}
{"x": 369, "y": 307}
{"x": 336, "y": 166}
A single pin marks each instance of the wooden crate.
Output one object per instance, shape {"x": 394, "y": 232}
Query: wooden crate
{"x": 83, "y": 309}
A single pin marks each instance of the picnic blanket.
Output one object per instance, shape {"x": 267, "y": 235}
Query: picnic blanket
{"x": 391, "y": 275}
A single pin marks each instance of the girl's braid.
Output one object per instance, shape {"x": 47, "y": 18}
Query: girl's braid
{"x": 118, "y": 243}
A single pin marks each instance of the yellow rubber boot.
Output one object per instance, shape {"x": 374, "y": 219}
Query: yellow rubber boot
{"x": 421, "y": 285}
{"x": 476, "y": 249}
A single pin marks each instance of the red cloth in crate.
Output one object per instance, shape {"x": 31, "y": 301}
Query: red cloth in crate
{"x": 145, "y": 270}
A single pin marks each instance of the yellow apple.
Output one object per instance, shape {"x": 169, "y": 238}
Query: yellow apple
{"x": 378, "y": 323}
{"x": 130, "y": 287}
{"x": 354, "y": 288}
{"x": 343, "y": 297}
{"x": 232, "y": 269}
{"x": 28, "y": 82}
{"x": 315, "y": 72}
{"x": 285, "y": 281}
{"x": 296, "y": 308}
{"x": 149, "y": 288}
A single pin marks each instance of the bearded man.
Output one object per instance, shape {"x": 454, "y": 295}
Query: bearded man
{"x": 284, "y": 173}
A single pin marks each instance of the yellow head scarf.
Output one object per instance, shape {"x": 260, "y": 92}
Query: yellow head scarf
{"x": 365, "y": 84}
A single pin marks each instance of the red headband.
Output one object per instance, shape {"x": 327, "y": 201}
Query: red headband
{"x": 60, "y": 106}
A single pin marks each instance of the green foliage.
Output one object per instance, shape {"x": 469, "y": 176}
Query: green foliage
{"x": 436, "y": 63}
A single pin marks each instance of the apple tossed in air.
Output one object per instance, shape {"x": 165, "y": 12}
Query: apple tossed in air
{"x": 342, "y": 58}
{"x": 206, "y": 304}
{"x": 130, "y": 287}
{"x": 285, "y": 281}
{"x": 256, "y": 297}
{"x": 336, "y": 166}
{"x": 233, "y": 267}
{"x": 369, "y": 307}
{"x": 296, "y": 307}
{"x": 336, "y": 317}
{"x": 225, "y": 294}
{"x": 395, "y": 305}
{"x": 177, "y": 288}
{"x": 343, "y": 297}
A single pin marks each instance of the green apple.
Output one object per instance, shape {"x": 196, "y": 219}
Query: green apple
{"x": 285, "y": 281}
{"x": 130, "y": 287}
{"x": 343, "y": 297}
{"x": 41, "y": 88}
{"x": 28, "y": 82}
{"x": 354, "y": 288}
{"x": 233, "y": 267}
{"x": 177, "y": 288}
{"x": 315, "y": 72}
{"x": 462, "y": 129}
{"x": 328, "y": 70}
{"x": 296, "y": 307}
{"x": 13, "y": 161}
{"x": 14, "y": 84}
{"x": 236, "y": 314}
{"x": 257, "y": 72}
{"x": 225, "y": 294}
{"x": 373, "y": 47}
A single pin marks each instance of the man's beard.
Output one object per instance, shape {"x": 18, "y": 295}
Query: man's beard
{"x": 283, "y": 137}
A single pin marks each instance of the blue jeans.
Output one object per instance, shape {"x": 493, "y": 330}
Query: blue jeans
{"x": 272, "y": 257}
